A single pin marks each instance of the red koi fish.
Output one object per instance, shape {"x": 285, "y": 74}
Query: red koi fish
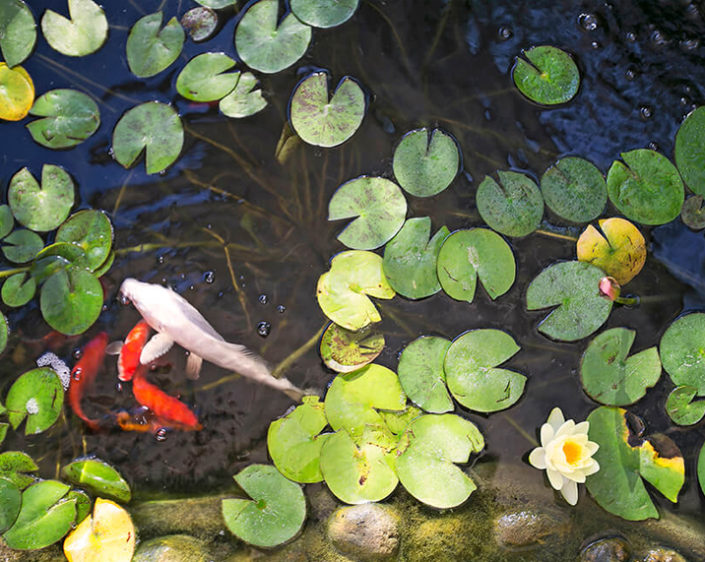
{"x": 83, "y": 375}
{"x": 129, "y": 358}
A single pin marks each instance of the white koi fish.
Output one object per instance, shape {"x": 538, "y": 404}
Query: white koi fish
{"x": 176, "y": 321}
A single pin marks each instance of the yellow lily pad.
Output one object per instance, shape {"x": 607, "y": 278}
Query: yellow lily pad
{"x": 621, "y": 252}
{"x": 16, "y": 92}
{"x": 107, "y": 535}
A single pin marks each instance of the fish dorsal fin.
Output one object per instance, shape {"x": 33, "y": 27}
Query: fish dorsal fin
{"x": 157, "y": 346}
{"x": 113, "y": 348}
{"x": 193, "y": 365}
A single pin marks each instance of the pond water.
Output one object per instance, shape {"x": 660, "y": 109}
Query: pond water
{"x": 421, "y": 63}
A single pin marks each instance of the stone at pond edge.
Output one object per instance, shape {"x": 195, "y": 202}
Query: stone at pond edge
{"x": 173, "y": 548}
{"x": 606, "y": 549}
{"x": 659, "y": 554}
{"x": 365, "y": 532}
{"x": 200, "y": 517}
{"x": 527, "y": 527}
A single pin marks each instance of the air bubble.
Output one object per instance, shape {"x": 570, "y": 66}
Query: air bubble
{"x": 689, "y": 44}
{"x": 595, "y": 45}
{"x": 588, "y": 22}
{"x": 630, "y": 36}
{"x": 657, "y": 39}
{"x": 630, "y": 74}
{"x": 504, "y": 33}
{"x": 653, "y": 146}
{"x": 281, "y": 309}
{"x": 263, "y": 299}
{"x": 645, "y": 112}
{"x": 160, "y": 260}
{"x": 263, "y": 329}
{"x": 161, "y": 434}
{"x": 209, "y": 277}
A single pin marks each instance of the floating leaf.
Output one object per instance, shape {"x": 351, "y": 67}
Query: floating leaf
{"x": 469, "y": 254}
{"x": 422, "y": 376}
{"x": 273, "y": 516}
{"x": 3, "y": 431}
{"x": 154, "y": 127}
{"x": 244, "y": 100}
{"x": 681, "y": 408}
{"x": 41, "y": 208}
{"x": 513, "y": 206}
{"x": 425, "y": 163}
{"x": 10, "y": 500}
{"x": 22, "y": 245}
{"x": 620, "y": 253}
{"x": 648, "y": 190}
{"x": 324, "y": 13}
{"x": 18, "y": 31}
{"x": 689, "y": 151}
{"x": 217, "y": 4}
{"x": 410, "y": 259}
{"x": 612, "y": 378}
{"x": 326, "y": 122}
{"x": 548, "y": 75}
{"x": 204, "y": 79}
{"x": 16, "y": 93}
{"x": 71, "y": 301}
{"x": 38, "y": 396}
{"x": 682, "y": 350}
{"x": 266, "y": 46}
{"x": 625, "y": 457}
{"x": 200, "y": 23}
{"x": 90, "y": 231}
{"x": 151, "y": 49}
{"x": 425, "y": 462}
{"x": 70, "y": 117}
{"x": 574, "y": 189}
{"x": 84, "y": 33}
{"x": 573, "y": 286}
{"x": 345, "y": 350}
{"x": 14, "y": 465}
{"x": 106, "y": 265}
{"x": 693, "y": 212}
{"x": 294, "y": 443}
{"x": 18, "y": 290}
{"x": 701, "y": 469}
{"x": 97, "y": 477}
{"x": 83, "y": 504}
{"x": 7, "y": 221}
{"x": 3, "y": 332}
{"x": 396, "y": 421}
{"x": 378, "y": 207}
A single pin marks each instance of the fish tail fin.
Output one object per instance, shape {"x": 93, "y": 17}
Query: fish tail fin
{"x": 193, "y": 366}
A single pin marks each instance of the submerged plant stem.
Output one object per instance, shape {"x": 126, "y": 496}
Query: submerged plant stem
{"x": 8, "y": 272}
{"x": 121, "y": 193}
{"x": 292, "y": 357}
{"x": 556, "y": 235}
{"x": 521, "y": 430}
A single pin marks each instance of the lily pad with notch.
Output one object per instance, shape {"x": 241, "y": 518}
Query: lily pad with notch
{"x": 18, "y": 31}
{"x": 105, "y": 534}
{"x": 18, "y": 289}
{"x": 98, "y": 477}
{"x": 69, "y": 118}
{"x": 204, "y": 78}
{"x": 244, "y": 100}
{"x": 200, "y": 22}
{"x": 547, "y": 75}
{"x": 151, "y": 48}
{"x": 574, "y": 189}
{"x": 422, "y": 376}
{"x": 14, "y": 465}
{"x": 345, "y": 351}
{"x": 16, "y": 93}
{"x": 38, "y": 396}
{"x": 41, "y": 208}
{"x": 10, "y": 501}
{"x": 681, "y": 408}
{"x": 71, "y": 300}
{"x": 693, "y": 212}
{"x": 324, "y": 13}
{"x": 682, "y": 350}
{"x": 21, "y": 246}
{"x": 82, "y": 34}
{"x": 513, "y": 206}
{"x": 689, "y": 152}
{"x": 91, "y": 232}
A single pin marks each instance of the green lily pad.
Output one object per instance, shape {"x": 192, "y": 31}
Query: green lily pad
{"x": 71, "y": 301}
{"x": 16, "y": 93}
{"x": 425, "y": 462}
{"x": 378, "y": 207}
{"x": 83, "y": 504}
{"x": 153, "y": 127}
{"x": 38, "y": 396}
{"x": 324, "y": 13}
{"x": 18, "y": 290}
{"x": 693, "y": 212}
{"x": 682, "y": 350}
{"x": 4, "y": 330}
{"x": 326, "y": 122}
{"x": 22, "y": 246}
{"x": 410, "y": 259}
{"x": 346, "y": 350}
{"x": 574, "y": 189}
{"x": 359, "y": 470}
{"x": 91, "y": 232}
{"x": 10, "y": 501}
{"x": 7, "y": 221}
{"x": 266, "y": 46}
{"x": 612, "y": 378}
{"x": 548, "y": 75}
{"x": 425, "y": 163}
{"x": 3, "y": 431}
{"x": 204, "y": 78}
{"x": 84, "y": 33}
{"x": 513, "y": 207}
{"x": 244, "y": 100}
{"x": 216, "y": 4}
{"x": 14, "y": 465}
{"x": 151, "y": 49}
{"x": 276, "y": 512}
{"x": 422, "y": 376}
{"x": 97, "y": 477}
{"x": 18, "y": 31}
{"x": 471, "y": 373}
{"x": 41, "y": 208}
{"x": 69, "y": 252}
{"x": 690, "y": 152}
{"x": 701, "y": 469}
{"x": 625, "y": 457}
{"x": 573, "y": 287}
{"x": 469, "y": 254}
{"x": 45, "y": 516}
{"x": 200, "y": 23}
{"x": 396, "y": 421}
{"x": 681, "y": 408}
{"x": 648, "y": 190}
{"x": 294, "y": 441}
{"x": 70, "y": 117}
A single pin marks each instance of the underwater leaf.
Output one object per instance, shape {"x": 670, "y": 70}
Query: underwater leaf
{"x": 44, "y": 516}
{"x": 244, "y": 100}
{"x": 425, "y": 163}
{"x": 428, "y": 450}
{"x": 153, "y": 127}
{"x": 690, "y": 150}
{"x": 204, "y": 78}
{"x": 324, "y": 13}
{"x": 38, "y": 396}
{"x": 346, "y": 350}
{"x": 89, "y": 230}
{"x": 84, "y": 33}
{"x": 294, "y": 441}
{"x": 574, "y": 189}
{"x": 16, "y": 93}
{"x": 612, "y": 378}
{"x": 10, "y": 501}
{"x": 471, "y": 373}
{"x": 41, "y": 208}
{"x": 273, "y": 516}
{"x": 97, "y": 477}
{"x": 681, "y": 408}
{"x": 151, "y": 49}
{"x": 266, "y": 46}
{"x": 693, "y": 212}
{"x": 18, "y": 290}
{"x": 70, "y": 117}
{"x": 377, "y": 206}
{"x": 625, "y": 457}
{"x": 7, "y": 221}
{"x": 71, "y": 301}
{"x": 410, "y": 259}
{"x": 682, "y": 350}
{"x": 325, "y": 122}
{"x": 513, "y": 207}
{"x": 22, "y": 246}
{"x": 469, "y": 254}
{"x": 14, "y": 465}
{"x": 200, "y": 23}
{"x": 648, "y": 190}
{"x": 18, "y": 31}
{"x": 573, "y": 287}
{"x": 548, "y": 75}
{"x": 422, "y": 376}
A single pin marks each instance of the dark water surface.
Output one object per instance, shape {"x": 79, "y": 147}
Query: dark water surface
{"x": 422, "y": 63}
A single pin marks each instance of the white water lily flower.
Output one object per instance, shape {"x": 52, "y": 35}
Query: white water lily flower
{"x": 566, "y": 454}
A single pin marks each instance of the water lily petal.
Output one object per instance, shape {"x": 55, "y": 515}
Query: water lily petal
{"x": 566, "y": 429}
{"x": 570, "y": 492}
{"x": 592, "y": 469}
{"x": 547, "y": 433}
{"x": 582, "y": 427}
{"x": 592, "y": 447}
{"x": 555, "y": 478}
{"x": 555, "y": 418}
{"x": 537, "y": 458}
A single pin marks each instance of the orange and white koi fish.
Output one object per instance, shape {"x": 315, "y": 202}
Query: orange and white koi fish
{"x": 168, "y": 409}
{"x": 130, "y": 350}
{"x": 84, "y": 373}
